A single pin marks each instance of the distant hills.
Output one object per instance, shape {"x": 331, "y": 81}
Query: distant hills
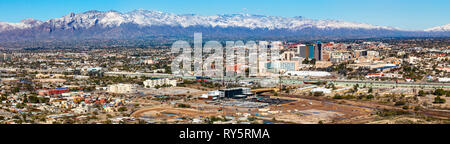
{"x": 148, "y": 24}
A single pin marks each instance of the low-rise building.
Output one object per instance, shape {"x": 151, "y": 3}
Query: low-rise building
{"x": 308, "y": 73}
{"x": 444, "y": 79}
{"x": 386, "y": 75}
{"x": 321, "y": 89}
{"x": 121, "y": 88}
{"x": 151, "y": 83}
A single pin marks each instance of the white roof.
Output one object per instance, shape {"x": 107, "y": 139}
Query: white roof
{"x": 308, "y": 73}
{"x": 321, "y": 89}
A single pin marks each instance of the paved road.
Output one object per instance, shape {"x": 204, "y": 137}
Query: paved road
{"x": 300, "y": 81}
{"x": 385, "y": 84}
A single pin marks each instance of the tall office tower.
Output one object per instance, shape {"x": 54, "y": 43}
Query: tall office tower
{"x": 262, "y": 57}
{"x": 301, "y": 49}
{"x": 310, "y": 51}
{"x": 318, "y": 52}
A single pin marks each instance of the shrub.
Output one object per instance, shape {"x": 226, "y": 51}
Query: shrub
{"x": 387, "y": 113}
{"x": 338, "y": 97}
{"x": 421, "y": 93}
{"x": 184, "y": 106}
{"x": 405, "y": 107}
{"x": 439, "y": 100}
{"x": 318, "y": 94}
{"x": 439, "y": 92}
{"x": 399, "y": 103}
{"x": 121, "y": 109}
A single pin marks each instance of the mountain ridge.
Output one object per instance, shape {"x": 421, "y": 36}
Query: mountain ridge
{"x": 151, "y": 17}
{"x": 150, "y": 23}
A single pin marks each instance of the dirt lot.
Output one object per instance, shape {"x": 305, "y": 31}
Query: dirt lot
{"x": 429, "y": 99}
{"x": 313, "y": 111}
{"x": 408, "y": 120}
{"x": 174, "y": 91}
{"x": 169, "y": 113}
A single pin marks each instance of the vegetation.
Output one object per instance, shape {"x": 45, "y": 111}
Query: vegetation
{"x": 337, "y": 96}
{"x": 421, "y": 93}
{"x": 212, "y": 119}
{"x": 438, "y": 100}
{"x": 184, "y": 106}
{"x": 318, "y": 94}
{"x": 388, "y": 113}
{"x": 405, "y": 107}
{"x": 122, "y": 109}
{"x": 441, "y": 92}
{"x": 400, "y": 103}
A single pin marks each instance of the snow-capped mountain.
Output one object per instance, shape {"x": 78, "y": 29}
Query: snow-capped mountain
{"x": 151, "y": 24}
{"x": 24, "y": 24}
{"x": 157, "y": 18}
{"x": 443, "y": 28}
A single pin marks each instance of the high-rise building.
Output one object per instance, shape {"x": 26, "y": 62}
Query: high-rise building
{"x": 318, "y": 52}
{"x": 301, "y": 50}
{"x": 310, "y": 51}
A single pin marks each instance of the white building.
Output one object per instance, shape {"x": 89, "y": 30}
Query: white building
{"x": 212, "y": 95}
{"x": 444, "y": 79}
{"x": 121, "y": 88}
{"x": 151, "y": 83}
{"x": 386, "y": 75}
{"x": 373, "y": 53}
{"x": 308, "y": 73}
{"x": 321, "y": 89}
{"x": 148, "y": 61}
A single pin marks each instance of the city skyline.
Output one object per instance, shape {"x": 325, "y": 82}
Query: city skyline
{"x": 408, "y": 15}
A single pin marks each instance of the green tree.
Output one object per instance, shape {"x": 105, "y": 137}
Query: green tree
{"x": 439, "y": 100}
{"x": 405, "y": 107}
{"x": 318, "y": 94}
{"x": 421, "y": 93}
{"x": 439, "y": 92}
{"x": 313, "y": 62}
{"x": 400, "y": 103}
{"x": 122, "y": 109}
{"x": 370, "y": 96}
{"x": 337, "y": 96}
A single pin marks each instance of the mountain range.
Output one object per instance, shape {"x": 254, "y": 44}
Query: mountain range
{"x": 148, "y": 24}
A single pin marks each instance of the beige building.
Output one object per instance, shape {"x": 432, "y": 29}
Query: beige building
{"x": 122, "y": 88}
{"x": 151, "y": 83}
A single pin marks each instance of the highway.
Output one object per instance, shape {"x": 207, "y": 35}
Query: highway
{"x": 383, "y": 84}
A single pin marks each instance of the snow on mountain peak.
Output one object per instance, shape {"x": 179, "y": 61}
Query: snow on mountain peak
{"x": 443, "y": 28}
{"x": 157, "y": 18}
{"x": 23, "y": 24}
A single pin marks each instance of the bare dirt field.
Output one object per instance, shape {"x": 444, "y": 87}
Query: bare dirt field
{"x": 169, "y": 112}
{"x": 313, "y": 111}
{"x": 174, "y": 91}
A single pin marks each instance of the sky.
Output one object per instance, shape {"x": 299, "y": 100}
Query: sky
{"x": 404, "y": 14}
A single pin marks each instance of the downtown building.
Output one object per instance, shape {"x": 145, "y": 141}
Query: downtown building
{"x": 310, "y": 51}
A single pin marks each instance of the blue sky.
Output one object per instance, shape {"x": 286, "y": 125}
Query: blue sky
{"x": 406, "y": 14}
